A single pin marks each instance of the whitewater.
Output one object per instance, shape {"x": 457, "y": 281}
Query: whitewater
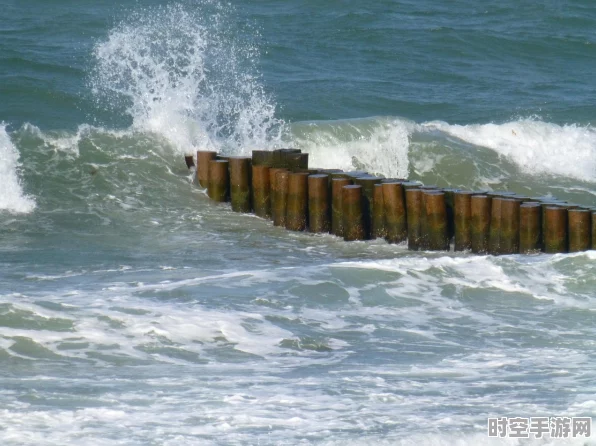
{"x": 135, "y": 311}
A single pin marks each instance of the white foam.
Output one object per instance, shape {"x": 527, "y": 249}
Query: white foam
{"x": 12, "y": 197}
{"x": 378, "y": 145}
{"x": 182, "y": 74}
{"x": 535, "y": 146}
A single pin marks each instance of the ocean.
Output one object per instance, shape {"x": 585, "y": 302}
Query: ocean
{"x": 135, "y": 311}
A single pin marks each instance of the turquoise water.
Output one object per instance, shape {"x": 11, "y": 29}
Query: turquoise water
{"x": 135, "y": 311}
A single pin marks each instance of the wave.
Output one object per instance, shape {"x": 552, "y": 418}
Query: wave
{"x": 12, "y": 197}
{"x": 536, "y": 147}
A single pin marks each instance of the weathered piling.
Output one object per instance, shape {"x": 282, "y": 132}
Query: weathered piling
{"x": 394, "y": 208}
{"x": 189, "y": 160}
{"x": 261, "y": 189}
{"x": 547, "y": 202}
{"x": 424, "y": 229}
{"x": 579, "y": 223}
{"x": 273, "y": 187}
{"x": 555, "y": 229}
{"x": 297, "y": 202}
{"x": 219, "y": 180}
{"x": 368, "y": 184}
{"x": 462, "y": 217}
{"x": 278, "y": 210}
{"x": 353, "y": 215}
{"x": 240, "y": 182}
{"x": 480, "y": 210}
{"x": 378, "y": 221}
{"x": 530, "y": 228}
{"x": 262, "y": 158}
{"x": 203, "y": 159}
{"x": 413, "y": 210}
{"x": 509, "y": 236}
{"x": 436, "y": 221}
{"x": 318, "y": 203}
{"x": 494, "y": 240}
{"x": 337, "y": 221}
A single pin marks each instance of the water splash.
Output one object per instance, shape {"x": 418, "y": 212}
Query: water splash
{"x": 182, "y": 71}
{"x": 12, "y": 198}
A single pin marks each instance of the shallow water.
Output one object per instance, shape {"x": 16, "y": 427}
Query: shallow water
{"x": 133, "y": 310}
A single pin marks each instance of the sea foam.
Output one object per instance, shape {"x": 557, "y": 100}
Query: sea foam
{"x": 12, "y": 197}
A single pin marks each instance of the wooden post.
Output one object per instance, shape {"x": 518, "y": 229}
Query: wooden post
{"x": 394, "y": 208}
{"x": 378, "y": 221}
{"x": 579, "y": 229}
{"x": 462, "y": 220}
{"x": 368, "y": 183}
{"x": 414, "y": 209}
{"x": 436, "y": 221}
{"x": 480, "y": 208}
{"x": 240, "y": 181}
{"x": 509, "y": 236}
{"x": 261, "y": 189}
{"x": 281, "y": 198}
{"x": 530, "y": 228}
{"x": 555, "y": 230}
{"x": 353, "y": 213}
{"x": 318, "y": 203}
{"x": 337, "y": 223}
{"x": 203, "y": 158}
{"x": 219, "y": 180}
{"x": 297, "y": 202}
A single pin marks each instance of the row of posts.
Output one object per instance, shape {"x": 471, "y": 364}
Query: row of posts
{"x": 279, "y": 185}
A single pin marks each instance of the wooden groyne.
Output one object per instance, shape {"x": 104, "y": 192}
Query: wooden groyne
{"x": 279, "y": 185}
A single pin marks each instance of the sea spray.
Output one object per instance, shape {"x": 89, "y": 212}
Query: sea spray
{"x": 183, "y": 72}
{"x": 12, "y": 197}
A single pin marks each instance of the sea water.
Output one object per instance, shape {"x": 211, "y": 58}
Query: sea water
{"x": 135, "y": 311}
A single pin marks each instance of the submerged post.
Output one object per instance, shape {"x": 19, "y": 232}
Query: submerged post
{"x": 240, "y": 170}
{"x": 189, "y": 160}
{"x": 353, "y": 213}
